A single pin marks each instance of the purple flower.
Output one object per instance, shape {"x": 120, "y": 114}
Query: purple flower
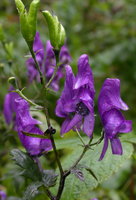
{"x": 38, "y": 48}
{"x": 47, "y": 62}
{"x": 76, "y": 101}
{"x": 64, "y": 56}
{"x": 109, "y": 105}
{"x": 9, "y": 107}
{"x": 24, "y": 121}
{"x": 3, "y": 195}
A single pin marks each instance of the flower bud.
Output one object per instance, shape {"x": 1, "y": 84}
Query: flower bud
{"x": 28, "y": 20}
{"x": 56, "y": 30}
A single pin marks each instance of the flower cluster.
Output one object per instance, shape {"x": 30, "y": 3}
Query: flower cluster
{"x": 76, "y": 105}
{"x": 23, "y": 122}
{"x": 47, "y": 62}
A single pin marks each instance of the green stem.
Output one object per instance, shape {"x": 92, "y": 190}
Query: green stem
{"x": 28, "y": 100}
{"x": 51, "y": 79}
{"x": 37, "y": 66}
{"x": 56, "y": 155}
{"x": 80, "y": 137}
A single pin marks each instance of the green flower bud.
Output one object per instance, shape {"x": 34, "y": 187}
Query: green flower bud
{"x": 28, "y": 20}
{"x": 13, "y": 82}
{"x": 56, "y": 30}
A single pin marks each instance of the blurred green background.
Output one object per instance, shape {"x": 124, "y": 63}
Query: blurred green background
{"x": 103, "y": 29}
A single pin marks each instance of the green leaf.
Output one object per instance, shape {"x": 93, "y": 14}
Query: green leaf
{"x": 26, "y": 163}
{"x": 74, "y": 188}
{"x": 49, "y": 178}
{"x": 32, "y": 190}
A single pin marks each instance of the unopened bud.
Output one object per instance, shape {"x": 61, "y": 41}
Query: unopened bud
{"x": 28, "y": 20}
{"x": 56, "y": 30}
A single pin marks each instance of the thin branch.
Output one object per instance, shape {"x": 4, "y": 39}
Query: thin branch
{"x": 56, "y": 155}
{"x": 28, "y": 100}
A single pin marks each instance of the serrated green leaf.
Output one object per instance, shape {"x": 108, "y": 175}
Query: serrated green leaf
{"x": 32, "y": 190}
{"x": 28, "y": 167}
{"x": 74, "y": 188}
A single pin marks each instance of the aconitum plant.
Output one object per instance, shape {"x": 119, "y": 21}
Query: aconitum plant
{"x": 75, "y": 105}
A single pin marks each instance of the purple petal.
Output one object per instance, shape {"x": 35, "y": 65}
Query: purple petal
{"x": 84, "y": 75}
{"x": 112, "y": 120}
{"x": 88, "y": 125}
{"x": 64, "y": 126}
{"x": 37, "y": 43}
{"x": 9, "y": 106}
{"x": 126, "y": 127}
{"x": 66, "y": 103}
{"x": 105, "y": 146}
{"x": 23, "y": 117}
{"x": 116, "y": 146}
{"x": 50, "y": 61}
{"x": 110, "y": 96}
{"x": 64, "y": 56}
{"x": 3, "y": 195}
{"x": 34, "y": 145}
{"x": 73, "y": 122}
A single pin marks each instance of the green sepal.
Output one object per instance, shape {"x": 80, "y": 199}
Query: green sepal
{"x": 56, "y": 30}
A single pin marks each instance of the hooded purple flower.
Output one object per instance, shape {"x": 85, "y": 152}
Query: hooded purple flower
{"x": 24, "y": 121}
{"x": 9, "y": 107}
{"x": 3, "y": 195}
{"x": 38, "y": 48}
{"x": 76, "y": 101}
{"x": 109, "y": 105}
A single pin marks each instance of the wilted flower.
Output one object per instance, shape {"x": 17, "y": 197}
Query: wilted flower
{"x": 25, "y": 123}
{"x": 47, "y": 62}
{"x": 76, "y": 102}
{"x": 109, "y": 105}
{"x": 3, "y": 195}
